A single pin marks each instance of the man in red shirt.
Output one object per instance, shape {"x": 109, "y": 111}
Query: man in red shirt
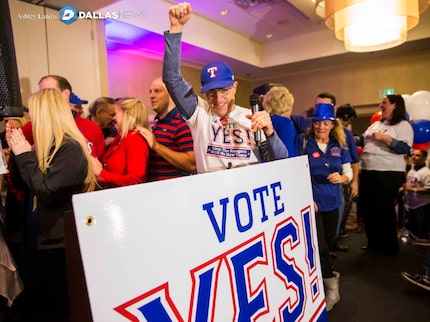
{"x": 89, "y": 129}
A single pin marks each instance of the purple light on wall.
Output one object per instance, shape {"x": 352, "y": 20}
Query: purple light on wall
{"x": 126, "y": 37}
{"x": 123, "y": 36}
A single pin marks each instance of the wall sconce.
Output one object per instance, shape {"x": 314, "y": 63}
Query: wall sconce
{"x": 371, "y": 25}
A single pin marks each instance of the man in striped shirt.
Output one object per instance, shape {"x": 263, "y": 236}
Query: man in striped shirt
{"x": 170, "y": 141}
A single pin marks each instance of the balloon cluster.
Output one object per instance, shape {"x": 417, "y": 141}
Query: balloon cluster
{"x": 418, "y": 107}
{"x": 421, "y": 134}
{"x": 417, "y": 111}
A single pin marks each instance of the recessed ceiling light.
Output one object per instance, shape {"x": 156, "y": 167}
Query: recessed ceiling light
{"x": 268, "y": 36}
{"x": 223, "y": 12}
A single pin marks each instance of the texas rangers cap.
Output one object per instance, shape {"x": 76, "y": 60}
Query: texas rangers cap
{"x": 216, "y": 75}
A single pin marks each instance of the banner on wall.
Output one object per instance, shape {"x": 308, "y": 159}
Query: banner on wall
{"x": 233, "y": 245}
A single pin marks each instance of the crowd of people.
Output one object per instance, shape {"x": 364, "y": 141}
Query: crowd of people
{"x": 60, "y": 152}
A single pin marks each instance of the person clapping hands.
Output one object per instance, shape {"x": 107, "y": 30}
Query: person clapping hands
{"x": 16, "y": 140}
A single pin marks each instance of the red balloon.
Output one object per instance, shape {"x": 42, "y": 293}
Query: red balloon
{"x": 359, "y": 150}
{"x": 421, "y": 146}
{"x": 376, "y": 117}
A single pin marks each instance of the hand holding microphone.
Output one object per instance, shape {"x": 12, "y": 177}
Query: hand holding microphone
{"x": 254, "y": 100}
{"x": 260, "y": 119}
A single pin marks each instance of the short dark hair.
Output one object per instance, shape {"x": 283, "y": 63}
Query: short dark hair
{"x": 345, "y": 112}
{"x": 328, "y": 95}
{"x": 62, "y": 82}
{"x": 310, "y": 111}
{"x": 100, "y": 103}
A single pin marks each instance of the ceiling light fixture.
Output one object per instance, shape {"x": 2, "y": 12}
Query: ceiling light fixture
{"x": 224, "y": 12}
{"x": 371, "y": 25}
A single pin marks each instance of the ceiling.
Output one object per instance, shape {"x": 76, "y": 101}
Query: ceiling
{"x": 298, "y": 37}
{"x": 257, "y": 18}
{"x": 254, "y": 18}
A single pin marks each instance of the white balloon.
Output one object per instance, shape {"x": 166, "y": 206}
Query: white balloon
{"x": 406, "y": 98}
{"x": 417, "y": 93}
{"x": 418, "y": 105}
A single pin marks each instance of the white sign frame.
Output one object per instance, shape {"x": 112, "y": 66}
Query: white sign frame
{"x": 233, "y": 245}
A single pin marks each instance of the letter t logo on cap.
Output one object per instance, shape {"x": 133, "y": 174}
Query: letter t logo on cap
{"x": 212, "y": 70}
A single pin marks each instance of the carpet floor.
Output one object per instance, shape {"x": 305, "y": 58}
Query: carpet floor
{"x": 371, "y": 287}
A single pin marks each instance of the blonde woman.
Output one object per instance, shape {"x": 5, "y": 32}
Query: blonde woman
{"x": 330, "y": 166}
{"x": 125, "y": 161}
{"x": 278, "y": 101}
{"x": 58, "y": 167}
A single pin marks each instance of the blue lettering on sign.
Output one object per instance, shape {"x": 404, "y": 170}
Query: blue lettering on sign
{"x": 204, "y": 295}
{"x": 258, "y": 194}
{"x": 154, "y": 311}
{"x": 215, "y": 132}
{"x": 219, "y": 231}
{"x": 237, "y": 136}
{"x": 230, "y": 153}
{"x": 230, "y": 134}
{"x": 154, "y": 306}
{"x": 227, "y": 138}
{"x": 250, "y": 296}
{"x": 276, "y": 198}
{"x": 205, "y": 283}
{"x": 248, "y": 308}
{"x": 288, "y": 270}
{"x": 310, "y": 247}
{"x": 244, "y": 196}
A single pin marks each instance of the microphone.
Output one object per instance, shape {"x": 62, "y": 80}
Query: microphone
{"x": 254, "y": 100}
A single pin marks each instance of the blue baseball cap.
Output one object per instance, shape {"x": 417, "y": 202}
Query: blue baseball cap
{"x": 216, "y": 75}
{"x": 324, "y": 111}
{"x": 74, "y": 99}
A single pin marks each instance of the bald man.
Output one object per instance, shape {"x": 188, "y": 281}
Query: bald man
{"x": 170, "y": 141}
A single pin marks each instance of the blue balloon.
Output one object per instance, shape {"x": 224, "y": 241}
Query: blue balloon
{"x": 421, "y": 131}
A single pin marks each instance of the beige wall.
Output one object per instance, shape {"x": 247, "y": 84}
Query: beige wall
{"x": 48, "y": 46}
{"x": 358, "y": 83}
{"x": 131, "y": 74}
{"x": 42, "y": 48}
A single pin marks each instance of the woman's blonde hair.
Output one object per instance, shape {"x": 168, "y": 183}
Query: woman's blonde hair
{"x": 337, "y": 132}
{"x": 278, "y": 100}
{"x": 52, "y": 124}
{"x": 135, "y": 114}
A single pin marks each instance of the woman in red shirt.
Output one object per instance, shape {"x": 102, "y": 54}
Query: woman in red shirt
{"x": 125, "y": 161}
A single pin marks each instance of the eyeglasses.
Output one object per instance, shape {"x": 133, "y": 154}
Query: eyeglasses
{"x": 214, "y": 92}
